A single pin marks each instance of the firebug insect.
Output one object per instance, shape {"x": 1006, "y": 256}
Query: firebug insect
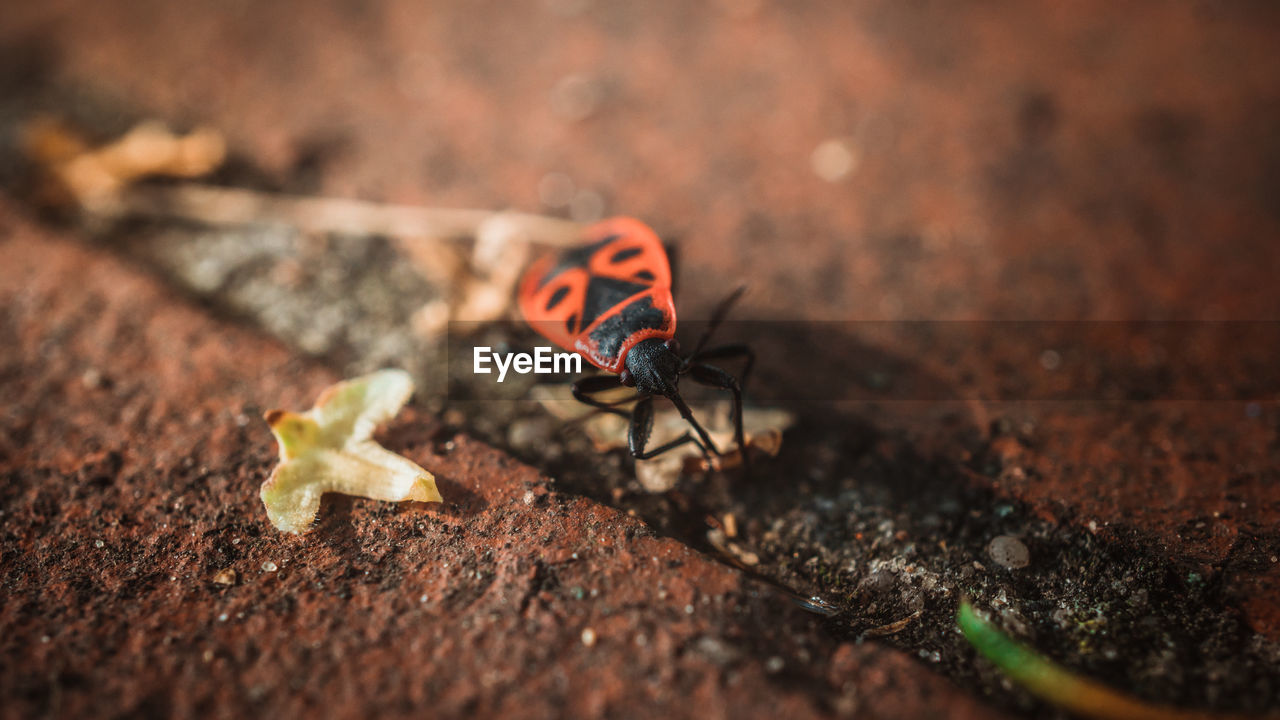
{"x": 610, "y": 301}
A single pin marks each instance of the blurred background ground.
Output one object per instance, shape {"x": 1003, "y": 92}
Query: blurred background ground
{"x": 1021, "y": 177}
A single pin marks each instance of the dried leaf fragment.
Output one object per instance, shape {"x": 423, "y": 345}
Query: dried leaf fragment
{"x": 96, "y": 176}
{"x": 330, "y": 448}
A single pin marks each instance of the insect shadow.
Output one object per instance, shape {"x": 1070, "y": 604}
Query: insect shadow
{"x": 829, "y": 376}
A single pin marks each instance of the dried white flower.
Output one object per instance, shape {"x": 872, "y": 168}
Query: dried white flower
{"x": 330, "y": 448}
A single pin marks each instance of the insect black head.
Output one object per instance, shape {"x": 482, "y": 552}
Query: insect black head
{"x": 654, "y": 367}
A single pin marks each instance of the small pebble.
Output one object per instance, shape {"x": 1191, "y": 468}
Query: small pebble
{"x": 92, "y": 379}
{"x": 588, "y": 637}
{"x": 98, "y": 543}
{"x": 746, "y": 556}
{"x": 1009, "y": 552}
{"x": 269, "y": 566}
{"x": 576, "y": 97}
{"x": 774, "y": 665}
{"x": 226, "y": 576}
{"x": 717, "y": 651}
{"x": 529, "y": 433}
{"x": 834, "y": 159}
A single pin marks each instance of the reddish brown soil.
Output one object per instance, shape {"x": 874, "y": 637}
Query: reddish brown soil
{"x": 132, "y": 452}
{"x": 1093, "y": 161}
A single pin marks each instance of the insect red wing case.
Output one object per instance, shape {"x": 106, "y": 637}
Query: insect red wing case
{"x": 605, "y": 296}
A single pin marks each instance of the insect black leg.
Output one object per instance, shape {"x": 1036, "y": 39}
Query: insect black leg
{"x": 717, "y": 378}
{"x": 584, "y": 388}
{"x": 641, "y": 417}
{"x": 685, "y": 438}
{"x": 718, "y": 316}
{"x": 642, "y": 425}
{"x": 687, "y": 414}
{"x": 725, "y": 352}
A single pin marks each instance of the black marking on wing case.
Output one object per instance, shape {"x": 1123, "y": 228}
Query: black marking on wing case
{"x": 603, "y": 293}
{"x": 639, "y": 315}
{"x": 578, "y": 257}
{"x": 625, "y": 254}
{"x": 556, "y": 297}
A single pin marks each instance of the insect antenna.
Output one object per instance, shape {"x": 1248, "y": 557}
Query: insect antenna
{"x": 722, "y": 310}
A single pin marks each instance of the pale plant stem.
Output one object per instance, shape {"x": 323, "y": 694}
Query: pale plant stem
{"x": 230, "y": 206}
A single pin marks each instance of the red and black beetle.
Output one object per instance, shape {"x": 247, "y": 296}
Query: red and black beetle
{"x": 610, "y": 301}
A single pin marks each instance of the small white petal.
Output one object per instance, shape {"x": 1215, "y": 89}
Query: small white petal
{"x": 330, "y": 449}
